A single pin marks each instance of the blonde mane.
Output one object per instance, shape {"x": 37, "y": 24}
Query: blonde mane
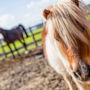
{"x": 70, "y": 22}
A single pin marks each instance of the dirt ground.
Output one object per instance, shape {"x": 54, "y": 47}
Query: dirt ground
{"x": 29, "y": 73}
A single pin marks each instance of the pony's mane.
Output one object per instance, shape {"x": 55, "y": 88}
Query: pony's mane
{"x": 70, "y": 22}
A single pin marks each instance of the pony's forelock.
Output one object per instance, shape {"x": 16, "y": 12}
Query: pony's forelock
{"x": 69, "y": 21}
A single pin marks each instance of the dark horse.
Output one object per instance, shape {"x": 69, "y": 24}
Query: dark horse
{"x": 14, "y": 34}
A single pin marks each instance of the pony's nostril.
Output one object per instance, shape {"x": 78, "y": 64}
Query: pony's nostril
{"x": 84, "y": 69}
{"x": 84, "y": 72}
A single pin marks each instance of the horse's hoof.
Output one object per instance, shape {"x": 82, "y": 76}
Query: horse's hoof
{"x": 26, "y": 52}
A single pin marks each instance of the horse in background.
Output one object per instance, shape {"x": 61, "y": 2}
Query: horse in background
{"x": 66, "y": 42}
{"x": 14, "y": 34}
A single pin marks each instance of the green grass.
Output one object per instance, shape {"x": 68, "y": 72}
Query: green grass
{"x": 18, "y": 44}
{"x": 88, "y": 17}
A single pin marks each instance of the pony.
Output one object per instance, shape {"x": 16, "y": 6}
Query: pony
{"x": 14, "y": 34}
{"x": 66, "y": 42}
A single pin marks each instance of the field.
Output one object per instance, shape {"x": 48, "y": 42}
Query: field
{"x": 88, "y": 17}
{"x": 29, "y": 73}
{"x": 18, "y": 44}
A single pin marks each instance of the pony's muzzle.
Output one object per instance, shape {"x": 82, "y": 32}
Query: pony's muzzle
{"x": 83, "y": 69}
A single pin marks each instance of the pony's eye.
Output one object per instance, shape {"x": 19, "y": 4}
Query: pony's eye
{"x": 57, "y": 39}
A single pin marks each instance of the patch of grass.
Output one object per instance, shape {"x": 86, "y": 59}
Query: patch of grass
{"x": 88, "y": 17}
{"x": 19, "y": 44}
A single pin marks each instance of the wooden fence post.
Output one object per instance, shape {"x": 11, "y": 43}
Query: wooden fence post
{"x": 33, "y": 36}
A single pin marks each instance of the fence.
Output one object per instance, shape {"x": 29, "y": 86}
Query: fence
{"x": 32, "y": 41}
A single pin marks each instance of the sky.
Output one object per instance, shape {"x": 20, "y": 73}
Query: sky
{"x": 26, "y": 12}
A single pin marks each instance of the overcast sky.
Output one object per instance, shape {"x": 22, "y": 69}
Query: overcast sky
{"x": 27, "y": 12}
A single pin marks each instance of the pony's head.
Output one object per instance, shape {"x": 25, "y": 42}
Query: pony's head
{"x": 68, "y": 19}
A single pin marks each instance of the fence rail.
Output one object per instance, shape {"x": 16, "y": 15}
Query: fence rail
{"x": 34, "y": 42}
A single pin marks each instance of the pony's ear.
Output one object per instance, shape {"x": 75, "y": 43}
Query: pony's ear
{"x": 76, "y": 2}
{"x": 46, "y": 12}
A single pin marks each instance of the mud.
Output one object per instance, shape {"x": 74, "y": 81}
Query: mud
{"x": 29, "y": 73}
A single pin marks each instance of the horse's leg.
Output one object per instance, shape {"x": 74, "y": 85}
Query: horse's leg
{"x": 24, "y": 44}
{"x": 16, "y": 48}
{"x": 11, "y": 51}
{"x": 4, "y": 52}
